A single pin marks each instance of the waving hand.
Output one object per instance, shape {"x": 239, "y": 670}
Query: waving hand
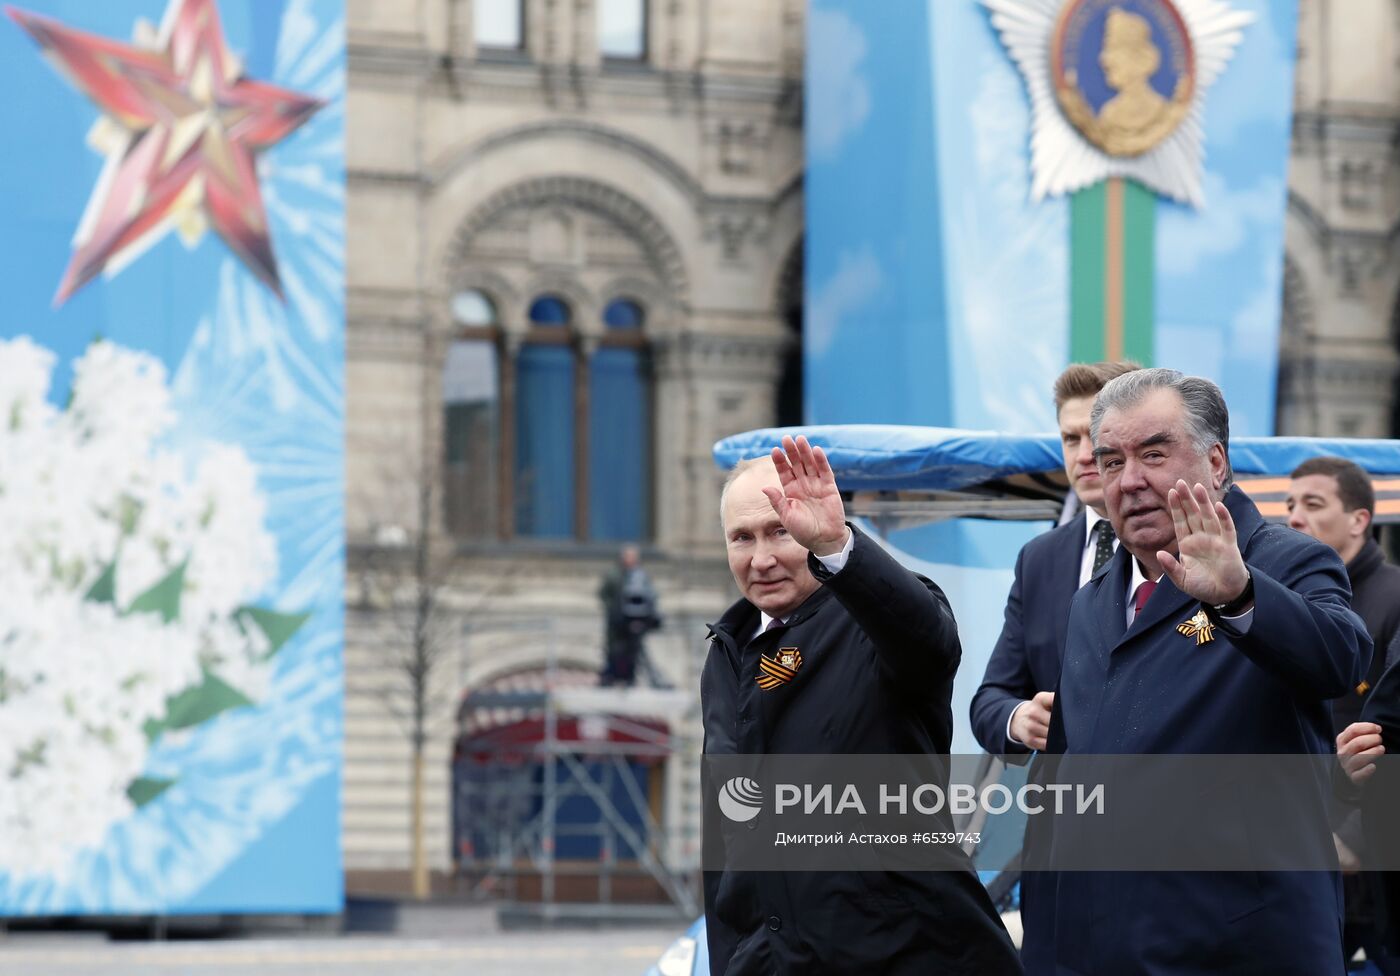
{"x": 808, "y": 502}
{"x": 1208, "y": 565}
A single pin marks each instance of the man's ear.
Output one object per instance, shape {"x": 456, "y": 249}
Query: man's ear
{"x": 1219, "y": 464}
{"x": 1360, "y": 522}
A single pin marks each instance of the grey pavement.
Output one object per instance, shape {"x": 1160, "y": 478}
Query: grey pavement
{"x": 606, "y": 952}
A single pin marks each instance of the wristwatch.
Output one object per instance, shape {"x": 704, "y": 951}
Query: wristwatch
{"x": 1238, "y": 605}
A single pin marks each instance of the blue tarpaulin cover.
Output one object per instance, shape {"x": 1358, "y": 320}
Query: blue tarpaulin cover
{"x": 875, "y": 457}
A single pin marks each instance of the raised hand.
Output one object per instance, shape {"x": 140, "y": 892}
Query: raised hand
{"x": 1207, "y": 564}
{"x": 808, "y": 504}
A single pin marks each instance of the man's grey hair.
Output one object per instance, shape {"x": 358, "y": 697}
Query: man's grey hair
{"x": 1207, "y": 417}
{"x": 733, "y": 476}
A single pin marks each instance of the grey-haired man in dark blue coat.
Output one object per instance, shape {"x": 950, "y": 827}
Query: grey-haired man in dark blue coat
{"x": 1136, "y": 681}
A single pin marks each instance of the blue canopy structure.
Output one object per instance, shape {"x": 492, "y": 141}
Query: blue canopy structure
{"x": 1006, "y": 473}
{"x": 878, "y": 457}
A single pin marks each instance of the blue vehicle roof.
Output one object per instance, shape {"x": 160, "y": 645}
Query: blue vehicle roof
{"x": 878, "y": 457}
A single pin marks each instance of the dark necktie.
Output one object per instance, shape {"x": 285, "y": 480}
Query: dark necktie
{"x": 1103, "y": 548}
{"x": 1144, "y": 591}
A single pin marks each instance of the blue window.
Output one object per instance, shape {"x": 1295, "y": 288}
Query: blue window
{"x": 619, "y": 438}
{"x": 577, "y": 459}
{"x": 623, "y": 313}
{"x": 544, "y": 442}
{"x": 549, "y": 310}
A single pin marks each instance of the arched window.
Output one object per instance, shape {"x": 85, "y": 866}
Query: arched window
{"x": 623, "y": 313}
{"x": 545, "y": 428}
{"x": 549, "y": 310}
{"x": 544, "y": 442}
{"x": 547, "y": 396}
{"x": 619, "y": 422}
{"x": 473, "y": 307}
{"x": 471, "y": 406}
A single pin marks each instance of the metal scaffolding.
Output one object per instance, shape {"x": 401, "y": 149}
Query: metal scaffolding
{"x": 526, "y": 753}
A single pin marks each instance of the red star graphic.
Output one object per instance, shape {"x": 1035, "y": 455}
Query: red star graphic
{"x": 182, "y": 128}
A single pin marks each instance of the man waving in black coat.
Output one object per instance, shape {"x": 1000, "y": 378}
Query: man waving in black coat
{"x": 835, "y": 648}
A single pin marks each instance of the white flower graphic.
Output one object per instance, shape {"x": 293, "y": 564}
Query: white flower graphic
{"x": 128, "y": 572}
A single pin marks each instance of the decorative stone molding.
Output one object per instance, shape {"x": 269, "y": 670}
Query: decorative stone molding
{"x": 587, "y": 195}
{"x": 1359, "y": 184}
{"x": 1354, "y": 258}
{"x": 580, "y": 129}
{"x": 735, "y": 231}
{"x": 1297, "y": 312}
{"x": 739, "y": 143}
{"x": 748, "y": 357}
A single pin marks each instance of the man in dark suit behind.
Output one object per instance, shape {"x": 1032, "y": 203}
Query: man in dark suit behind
{"x": 1283, "y": 643}
{"x": 1011, "y": 710}
{"x": 1332, "y": 500}
{"x": 1359, "y": 746}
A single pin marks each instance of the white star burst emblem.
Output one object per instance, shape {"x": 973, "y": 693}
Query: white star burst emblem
{"x": 1063, "y": 160}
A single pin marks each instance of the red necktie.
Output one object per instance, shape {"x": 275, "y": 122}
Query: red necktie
{"x": 1144, "y": 591}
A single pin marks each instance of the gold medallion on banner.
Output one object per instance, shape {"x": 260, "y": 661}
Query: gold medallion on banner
{"x": 1124, "y": 72}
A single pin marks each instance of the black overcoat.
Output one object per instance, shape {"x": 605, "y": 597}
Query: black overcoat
{"x": 879, "y": 650}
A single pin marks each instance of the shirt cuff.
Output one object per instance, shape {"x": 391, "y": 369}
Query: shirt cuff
{"x": 1009, "y": 737}
{"x": 1240, "y": 625}
{"x": 837, "y": 560}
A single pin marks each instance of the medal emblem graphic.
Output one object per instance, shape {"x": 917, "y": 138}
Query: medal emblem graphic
{"x": 1124, "y": 79}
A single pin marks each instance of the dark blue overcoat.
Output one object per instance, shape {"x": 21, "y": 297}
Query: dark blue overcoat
{"x": 1148, "y": 689}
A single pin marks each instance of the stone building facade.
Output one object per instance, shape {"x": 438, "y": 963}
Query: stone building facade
{"x": 585, "y": 211}
{"x": 1337, "y": 351}
{"x": 597, "y": 205}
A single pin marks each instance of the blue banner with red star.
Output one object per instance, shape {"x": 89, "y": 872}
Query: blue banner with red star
{"x": 171, "y": 456}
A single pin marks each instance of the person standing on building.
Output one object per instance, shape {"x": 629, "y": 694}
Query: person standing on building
{"x": 629, "y": 613}
{"x": 1011, "y": 710}
{"x": 834, "y": 648}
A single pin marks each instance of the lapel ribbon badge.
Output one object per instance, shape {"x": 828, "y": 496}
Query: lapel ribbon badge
{"x": 1199, "y": 627}
{"x": 779, "y": 669}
